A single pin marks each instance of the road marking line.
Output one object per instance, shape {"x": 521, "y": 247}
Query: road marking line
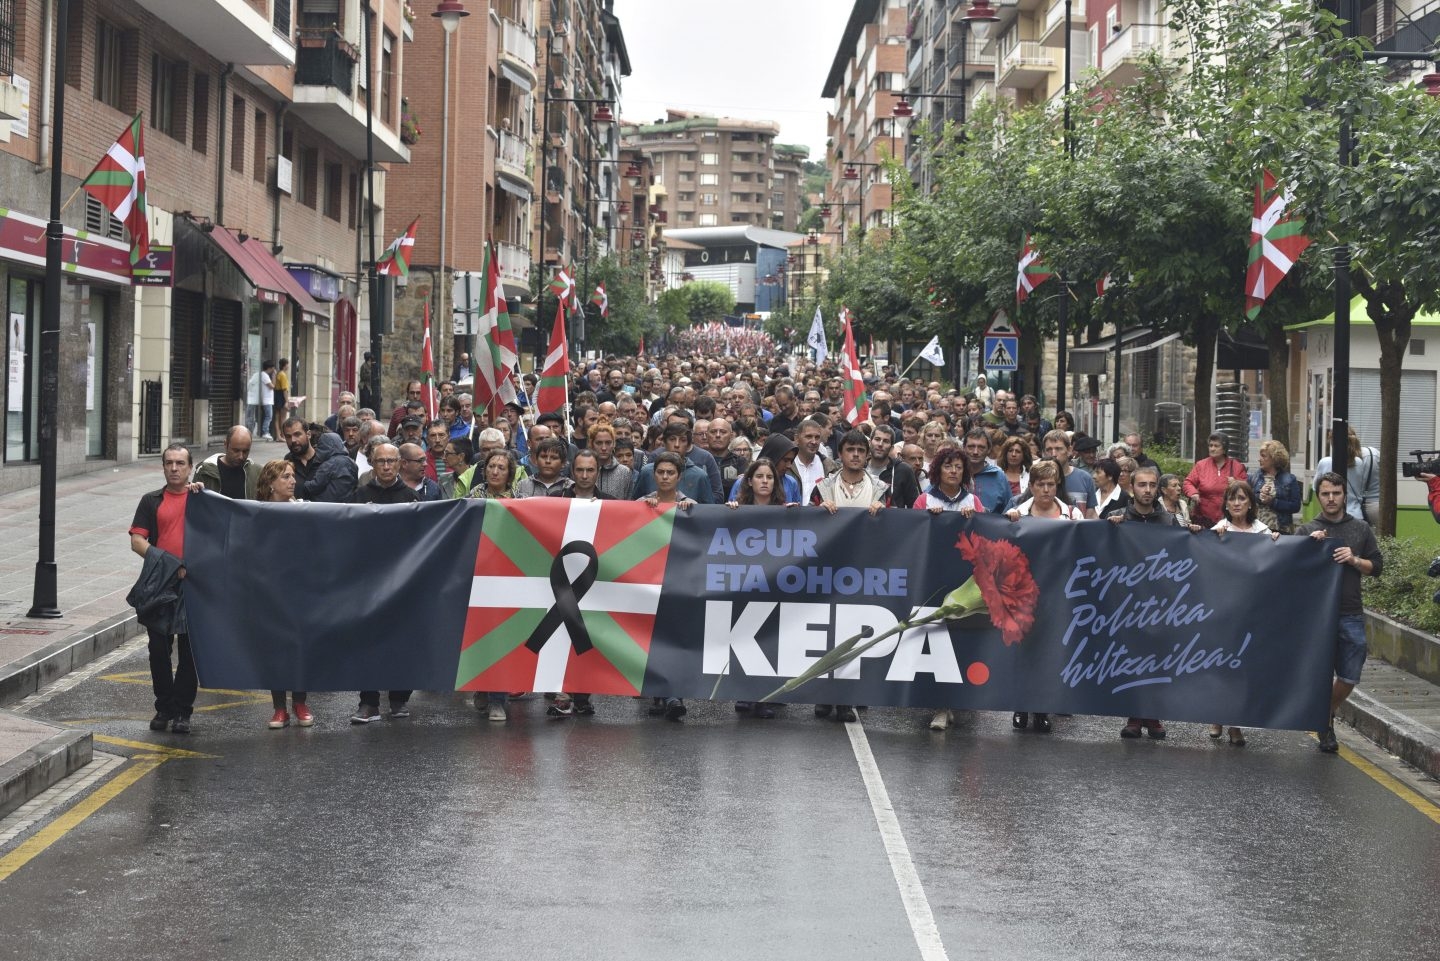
{"x": 149, "y": 748}
{"x": 75, "y": 678}
{"x": 74, "y": 817}
{"x": 1392, "y": 784}
{"x": 912, "y": 893}
{"x": 143, "y": 679}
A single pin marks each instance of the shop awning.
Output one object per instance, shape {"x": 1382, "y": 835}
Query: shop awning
{"x": 513, "y": 188}
{"x": 267, "y": 287}
{"x": 313, "y": 311}
{"x": 1358, "y": 315}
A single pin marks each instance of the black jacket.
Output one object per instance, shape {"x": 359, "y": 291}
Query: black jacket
{"x": 331, "y": 474}
{"x": 158, "y": 594}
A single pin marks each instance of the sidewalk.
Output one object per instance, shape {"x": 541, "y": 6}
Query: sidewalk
{"x": 1396, "y": 709}
{"x": 95, "y": 571}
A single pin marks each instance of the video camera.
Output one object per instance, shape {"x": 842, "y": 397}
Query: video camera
{"x": 1425, "y": 462}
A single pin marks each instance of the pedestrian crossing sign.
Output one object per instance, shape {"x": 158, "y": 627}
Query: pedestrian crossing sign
{"x": 1000, "y": 352}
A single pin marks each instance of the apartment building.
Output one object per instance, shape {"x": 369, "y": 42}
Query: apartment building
{"x": 254, "y": 127}
{"x": 866, "y": 79}
{"x": 946, "y": 72}
{"x": 720, "y": 171}
{"x": 472, "y": 173}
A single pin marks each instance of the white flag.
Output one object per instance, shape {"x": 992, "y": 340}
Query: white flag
{"x": 933, "y": 353}
{"x": 816, "y": 337}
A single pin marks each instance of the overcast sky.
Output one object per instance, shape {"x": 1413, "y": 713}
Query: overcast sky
{"x": 754, "y": 59}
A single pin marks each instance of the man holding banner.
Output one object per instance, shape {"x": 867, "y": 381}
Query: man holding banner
{"x": 1359, "y": 554}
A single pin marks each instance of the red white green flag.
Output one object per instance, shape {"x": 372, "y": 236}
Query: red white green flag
{"x": 496, "y": 358}
{"x": 562, "y": 285}
{"x": 1276, "y": 243}
{"x": 118, "y": 182}
{"x": 396, "y": 259}
{"x": 564, "y": 596}
{"x": 601, "y": 299}
{"x": 1031, "y": 273}
{"x": 552, "y": 392}
{"x": 856, "y": 404}
{"x": 1103, "y": 285}
{"x": 428, "y": 393}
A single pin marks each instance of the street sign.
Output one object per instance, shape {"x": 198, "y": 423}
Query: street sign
{"x": 466, "y": 292}
{"x": 1002, "y": 344}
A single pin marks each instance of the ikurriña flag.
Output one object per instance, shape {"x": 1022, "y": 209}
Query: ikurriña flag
{"x": 118, "y": 182}
{"x": 1276, "y": 243}
{"x": 429, "y": 394}
{"x": 564, "y": 597}
{"x": 395, "y": 261}
{"x": 855, "y": 406}
{"x": 1031, "y": 273}
{"x": 553, "y": 392}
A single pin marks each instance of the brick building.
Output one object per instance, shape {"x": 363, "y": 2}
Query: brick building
{"x": 255, "y": 138}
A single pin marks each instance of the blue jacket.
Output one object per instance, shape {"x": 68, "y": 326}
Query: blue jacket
{"x": 694, "y": 483}
{"x": 1287, "y": 494}
{"x": 992, "y": 487}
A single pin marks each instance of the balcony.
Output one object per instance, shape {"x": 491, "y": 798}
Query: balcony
{"x": 231, "y": 31}
{"x": 1026, "y": 65}
{"x": 514, "y": 165}
{"x": 517, "y": 54}
{"x": 514, "y": 262}
{"x": 975, "y": 60}
{"x": 1053, "y": 33}
{"x": 325, "y": 97}
{"x": 1120, "y": 60}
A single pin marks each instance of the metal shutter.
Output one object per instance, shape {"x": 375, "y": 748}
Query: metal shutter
{"x": 186, "y": 313}
{"x": 1417, "y": 409}
{"x": 224, "y": 353}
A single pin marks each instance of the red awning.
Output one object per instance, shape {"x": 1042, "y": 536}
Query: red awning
{"x": 267, "y": 288}
{"x": 313, "y": 310}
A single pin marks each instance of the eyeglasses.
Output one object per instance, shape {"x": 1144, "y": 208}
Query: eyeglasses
{"x": 385, "y": 460}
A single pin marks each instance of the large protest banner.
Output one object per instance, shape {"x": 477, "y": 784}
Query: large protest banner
{"x": 615, "y": 597}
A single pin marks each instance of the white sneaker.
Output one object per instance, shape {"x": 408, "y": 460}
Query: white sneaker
{"x": 940, "y": 721}
{"x": 497, "y": 714}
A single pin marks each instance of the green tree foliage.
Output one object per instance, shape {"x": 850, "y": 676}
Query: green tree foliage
{"x": 698, "y": 302}
{"x": 630, "y": 314}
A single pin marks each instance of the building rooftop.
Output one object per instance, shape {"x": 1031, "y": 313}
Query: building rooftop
{"x": 734, "y": 234}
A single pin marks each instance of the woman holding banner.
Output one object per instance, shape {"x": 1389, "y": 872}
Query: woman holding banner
{"x": 277, "y": 484}
{"x": 668, "y": 468}
{"x": 1044, "y": 482}
{"x": 497, "y": 479}
{"x": 1241, "y": 517}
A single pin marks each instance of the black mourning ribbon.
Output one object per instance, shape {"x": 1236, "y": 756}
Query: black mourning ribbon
{"x": 566, "y": 609}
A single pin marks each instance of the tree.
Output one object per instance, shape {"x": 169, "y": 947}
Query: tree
{"x": 698, "y": 302}
{"x": 630, "y": 313}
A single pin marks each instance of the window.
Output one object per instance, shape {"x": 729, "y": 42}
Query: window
{"x": 686, "y": 177}
{"x": 687, "y": 198}
{"x": 686, "y": 217}
{"x": 308, "y": 182}
{"x": 7, "y": 37}
{"x": 777, "y": 200}
{"x": 778, "y": 179}
{"x": 353, "y": 207}
{"x": 262, "y": 155}
{"x": 709, "y": 135}
{"x": 709, "y": 180}
{"x": 387, "y": 83}
{"x": 710, "y": 159}
{"x": 334, "y": 190}
{"x": 101, "y": 222}
{"x": 109, "y": 63}
{"x": 708, "y": 199}
{"x": 200, "y": 128}
{"x": 281, "y": 18}
{"x": 707, "y": 220}
{"x": 238, "y": 110}
{"x": 167, "y": 96}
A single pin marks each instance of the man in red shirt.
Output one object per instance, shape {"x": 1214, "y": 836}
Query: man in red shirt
{"x": 160, "y": 524}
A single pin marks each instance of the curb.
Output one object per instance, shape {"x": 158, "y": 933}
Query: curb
{"x": 43, "y": 766}
{"x": 19, "y": 679}
{"x": 1397, "y": 733}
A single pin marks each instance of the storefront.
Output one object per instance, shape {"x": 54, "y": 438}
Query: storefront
{"x": 95, "y": 334}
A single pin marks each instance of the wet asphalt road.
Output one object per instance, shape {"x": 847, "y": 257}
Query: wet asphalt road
{"x": 626, "y": 837}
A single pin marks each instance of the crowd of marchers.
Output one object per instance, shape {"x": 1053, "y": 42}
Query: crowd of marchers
{"x": 748, "y": 431}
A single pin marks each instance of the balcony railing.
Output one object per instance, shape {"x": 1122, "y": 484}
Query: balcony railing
{"x": 1134, "y": 41}
{"x": 1056, "y": 13}
{"x": 1027, "y": 53}
{"x": 513, "y": 156}
{"x": 517, "y": 42}
{"x": 514, "y": 263}
{"x": 325, "y": 60}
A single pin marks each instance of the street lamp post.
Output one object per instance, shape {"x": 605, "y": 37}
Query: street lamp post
{"x": 449, "y": 13}
{"x": 377, "y": 342}
{"x": 1064, "y": 320}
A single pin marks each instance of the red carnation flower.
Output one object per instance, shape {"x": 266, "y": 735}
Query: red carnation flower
{"x": 1002, "y": 572}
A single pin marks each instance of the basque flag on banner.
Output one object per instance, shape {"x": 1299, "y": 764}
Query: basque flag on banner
{"x": 564, "y": 597}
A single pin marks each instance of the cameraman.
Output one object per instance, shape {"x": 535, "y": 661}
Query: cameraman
{"x": 1432, "y": 482}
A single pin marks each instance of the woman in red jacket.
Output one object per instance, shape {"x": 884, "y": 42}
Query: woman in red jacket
{"x": 1206, "y": 483}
